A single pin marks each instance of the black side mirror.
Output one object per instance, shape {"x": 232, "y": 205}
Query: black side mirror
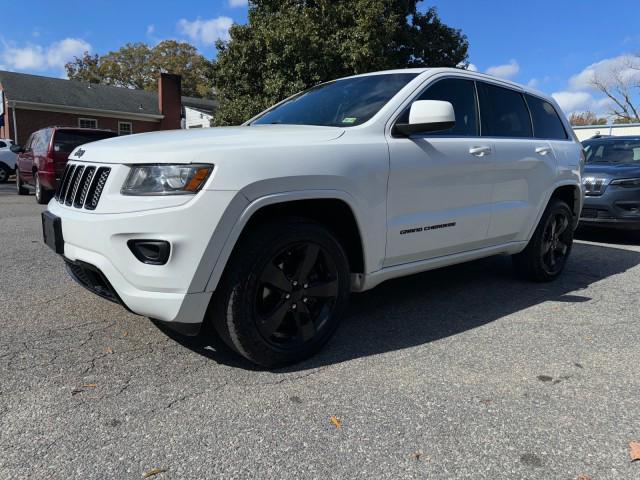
{"x": 17, "y": 148}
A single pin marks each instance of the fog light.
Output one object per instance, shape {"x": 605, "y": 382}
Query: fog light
{"x": 151, "y": 252}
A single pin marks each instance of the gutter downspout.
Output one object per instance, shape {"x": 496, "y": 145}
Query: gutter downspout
{"x": 15, "y": 124}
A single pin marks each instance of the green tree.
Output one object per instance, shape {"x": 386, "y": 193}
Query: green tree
{"x": 137, "y": 65}
{"x": 290, "y": 45}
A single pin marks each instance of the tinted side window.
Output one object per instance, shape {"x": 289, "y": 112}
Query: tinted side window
{"x": 462, "y": 95}
{"x": 503, "y": 112}
{"x": 546, "y": 123}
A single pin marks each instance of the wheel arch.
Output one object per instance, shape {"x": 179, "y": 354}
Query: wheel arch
{"x": 333, "y": 208}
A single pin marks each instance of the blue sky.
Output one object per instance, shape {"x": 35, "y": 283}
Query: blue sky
{"x": 552, "y": 45}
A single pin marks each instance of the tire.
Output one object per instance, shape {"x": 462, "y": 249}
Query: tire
{"x": 5, "y": 173}
{"x": 283, "y": 293}
{"x": 42, "y": 194}
{"x": 546, "y": 255}
{"x": 21, "y": 189}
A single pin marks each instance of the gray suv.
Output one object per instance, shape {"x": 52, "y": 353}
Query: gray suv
{"x": 612, "y": 182}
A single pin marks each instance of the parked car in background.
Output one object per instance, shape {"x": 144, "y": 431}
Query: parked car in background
{"x": 43, "y": 158}
{"x": 7, "y": 160}
{"x": 265, "y": 229}
{"x": 612, "y": 182}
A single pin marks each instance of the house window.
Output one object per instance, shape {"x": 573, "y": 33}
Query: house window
{"x": 125, "y": 128}
{"x": 87, "y": 123}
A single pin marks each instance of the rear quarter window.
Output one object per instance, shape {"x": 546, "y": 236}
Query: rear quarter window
{"x": 503, "y": 112}
{"x": 67, "y": 141}
{"x": 546, "y": 121}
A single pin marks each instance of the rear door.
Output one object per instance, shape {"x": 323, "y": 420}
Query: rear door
{"x": 523, "y": 167}
{"x": 25, "y": 160}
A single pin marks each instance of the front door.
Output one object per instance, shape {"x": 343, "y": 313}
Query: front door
{"x": 440, "y": 185}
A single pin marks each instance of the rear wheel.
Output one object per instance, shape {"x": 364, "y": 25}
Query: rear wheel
{"x": 283, "y": 294}
{"x": 42, "y": 194}
{"x": 21, "y": 189}
{"x": 546, "y": 254}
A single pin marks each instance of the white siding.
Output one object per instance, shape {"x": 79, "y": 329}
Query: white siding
{"x": 196, "y": 119}
{"x": 617, "y": 130}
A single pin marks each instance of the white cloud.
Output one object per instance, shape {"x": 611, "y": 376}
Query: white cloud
{"x": 574, "y": 101}
{"x": 604, "y": 70}
{"x": 238, "y": 3}
{"x": 151, "y": 29}
{"x": 508, "y": 70}
{"x": 37, "y": 57}
{"x": 533, "y": 83}
{"x": 206, "y": 31}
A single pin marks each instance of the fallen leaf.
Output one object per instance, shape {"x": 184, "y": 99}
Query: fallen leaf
{"x": 125, "y": 334}
{"x": 108, "y": 350}
{"x": 416, "y": 456}
{"x": 153, "y": 471}
{"x": 335, "y": 421}
{"x": 90, "y": 385}
{"x": 584, "y": 477}
{"x": 76, "y": 391}
{"x": 634, "y": 451}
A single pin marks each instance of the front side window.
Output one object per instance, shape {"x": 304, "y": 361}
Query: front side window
{"x": 546, "y": 122}
{"x": 340, "y": 103}
{"x": 503, "y": 112}
{"x": 462, "y": 95}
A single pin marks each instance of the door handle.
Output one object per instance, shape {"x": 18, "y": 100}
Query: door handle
{"x": 543, "y": 150}
{"x": 480, "y": 151}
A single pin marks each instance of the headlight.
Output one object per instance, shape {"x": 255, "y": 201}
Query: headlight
{"x": 627, "y": 182}
{"x": 165, "y": 179}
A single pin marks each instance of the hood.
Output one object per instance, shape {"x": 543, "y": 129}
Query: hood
{"x": 612, "y": 170}
{"x": 185, "y": 146}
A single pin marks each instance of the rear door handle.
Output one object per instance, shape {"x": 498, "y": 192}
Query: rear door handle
{"x": 480, "y": 151}
{"x": 543, "y": 150}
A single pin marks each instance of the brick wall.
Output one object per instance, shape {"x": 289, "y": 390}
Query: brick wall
{"x": 28, "y": 121}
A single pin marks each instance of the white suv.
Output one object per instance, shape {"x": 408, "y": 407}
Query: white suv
{"x": 263, "y": 230}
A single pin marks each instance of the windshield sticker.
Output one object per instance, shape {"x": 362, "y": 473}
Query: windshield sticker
{"x": 349, "y": 120}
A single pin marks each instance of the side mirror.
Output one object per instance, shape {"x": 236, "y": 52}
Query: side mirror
{"x": 427, "y": 116}
{"x": 17, "y": 148}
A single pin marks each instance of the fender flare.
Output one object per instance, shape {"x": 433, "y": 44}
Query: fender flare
{"x": 253, "y": 206}
{"x": 547, "y": 199}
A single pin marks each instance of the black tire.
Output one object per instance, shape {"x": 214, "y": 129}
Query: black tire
{"x": 5, "y": 173}
{"x": 21, "y": 189}
{"x": 42, "y": 194}
{"x": 283, "y": 293}
{"x": 546, "y": 255}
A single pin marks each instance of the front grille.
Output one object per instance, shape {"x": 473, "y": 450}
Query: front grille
{"x": 593, "y": 186}
{"x": 93, "y": 280}
{"x": 81, "y": 186}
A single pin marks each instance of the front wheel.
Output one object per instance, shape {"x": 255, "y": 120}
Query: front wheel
{"x": 283, "y": 294}
{"x": 20, "y": 188}
{"x": 547, "y": 253}
{"x": 5, "y": 173}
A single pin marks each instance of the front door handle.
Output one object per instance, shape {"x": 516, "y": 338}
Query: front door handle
{"x": 543, "y": 150}
{"x": 480, "y": 151}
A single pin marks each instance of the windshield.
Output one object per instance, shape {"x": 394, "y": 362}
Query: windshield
{"x": 613, "y": 150}
{"x": 340, "y": 103}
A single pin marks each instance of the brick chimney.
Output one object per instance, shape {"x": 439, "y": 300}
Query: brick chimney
{"x": 170, "y": 100}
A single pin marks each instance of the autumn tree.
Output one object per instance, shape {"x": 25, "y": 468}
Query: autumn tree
{"x": 137, "y": 65}
{"x": 290, "y": 45}
{"x": 586, "y": 118}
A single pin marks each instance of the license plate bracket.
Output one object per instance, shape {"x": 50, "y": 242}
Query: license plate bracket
{"x": 52, "y": 232}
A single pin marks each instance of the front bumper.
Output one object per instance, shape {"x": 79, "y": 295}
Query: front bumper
{"x": 617, "y": 207}
{"x": 173, "y": 292}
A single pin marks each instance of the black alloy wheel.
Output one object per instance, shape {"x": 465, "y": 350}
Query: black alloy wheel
{"x": 556, "y": 242}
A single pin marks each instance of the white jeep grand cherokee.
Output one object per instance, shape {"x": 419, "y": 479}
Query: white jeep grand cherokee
{"x": 264, "y": 229}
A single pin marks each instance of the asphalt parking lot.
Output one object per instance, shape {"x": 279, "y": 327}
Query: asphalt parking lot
{"x": 460, "y": 373}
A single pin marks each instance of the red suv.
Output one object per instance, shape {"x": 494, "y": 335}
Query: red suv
{"x": 42, "y": 160}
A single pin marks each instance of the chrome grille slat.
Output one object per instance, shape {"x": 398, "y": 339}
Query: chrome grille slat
{"x": 81, "y": 185}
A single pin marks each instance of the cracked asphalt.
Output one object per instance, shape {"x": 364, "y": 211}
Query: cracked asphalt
{"x": 465, "y": 372}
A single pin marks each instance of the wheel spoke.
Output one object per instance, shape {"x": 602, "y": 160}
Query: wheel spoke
{"x": 270, "y": 322}
{"x": 304, "y": 323}
{"x": 322, "y": 289}
{"x": 562, "y": 247}
{"x": 272, "y": 275}
{"x": 308, "y": 262}
{"x": 564, "y": 223}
